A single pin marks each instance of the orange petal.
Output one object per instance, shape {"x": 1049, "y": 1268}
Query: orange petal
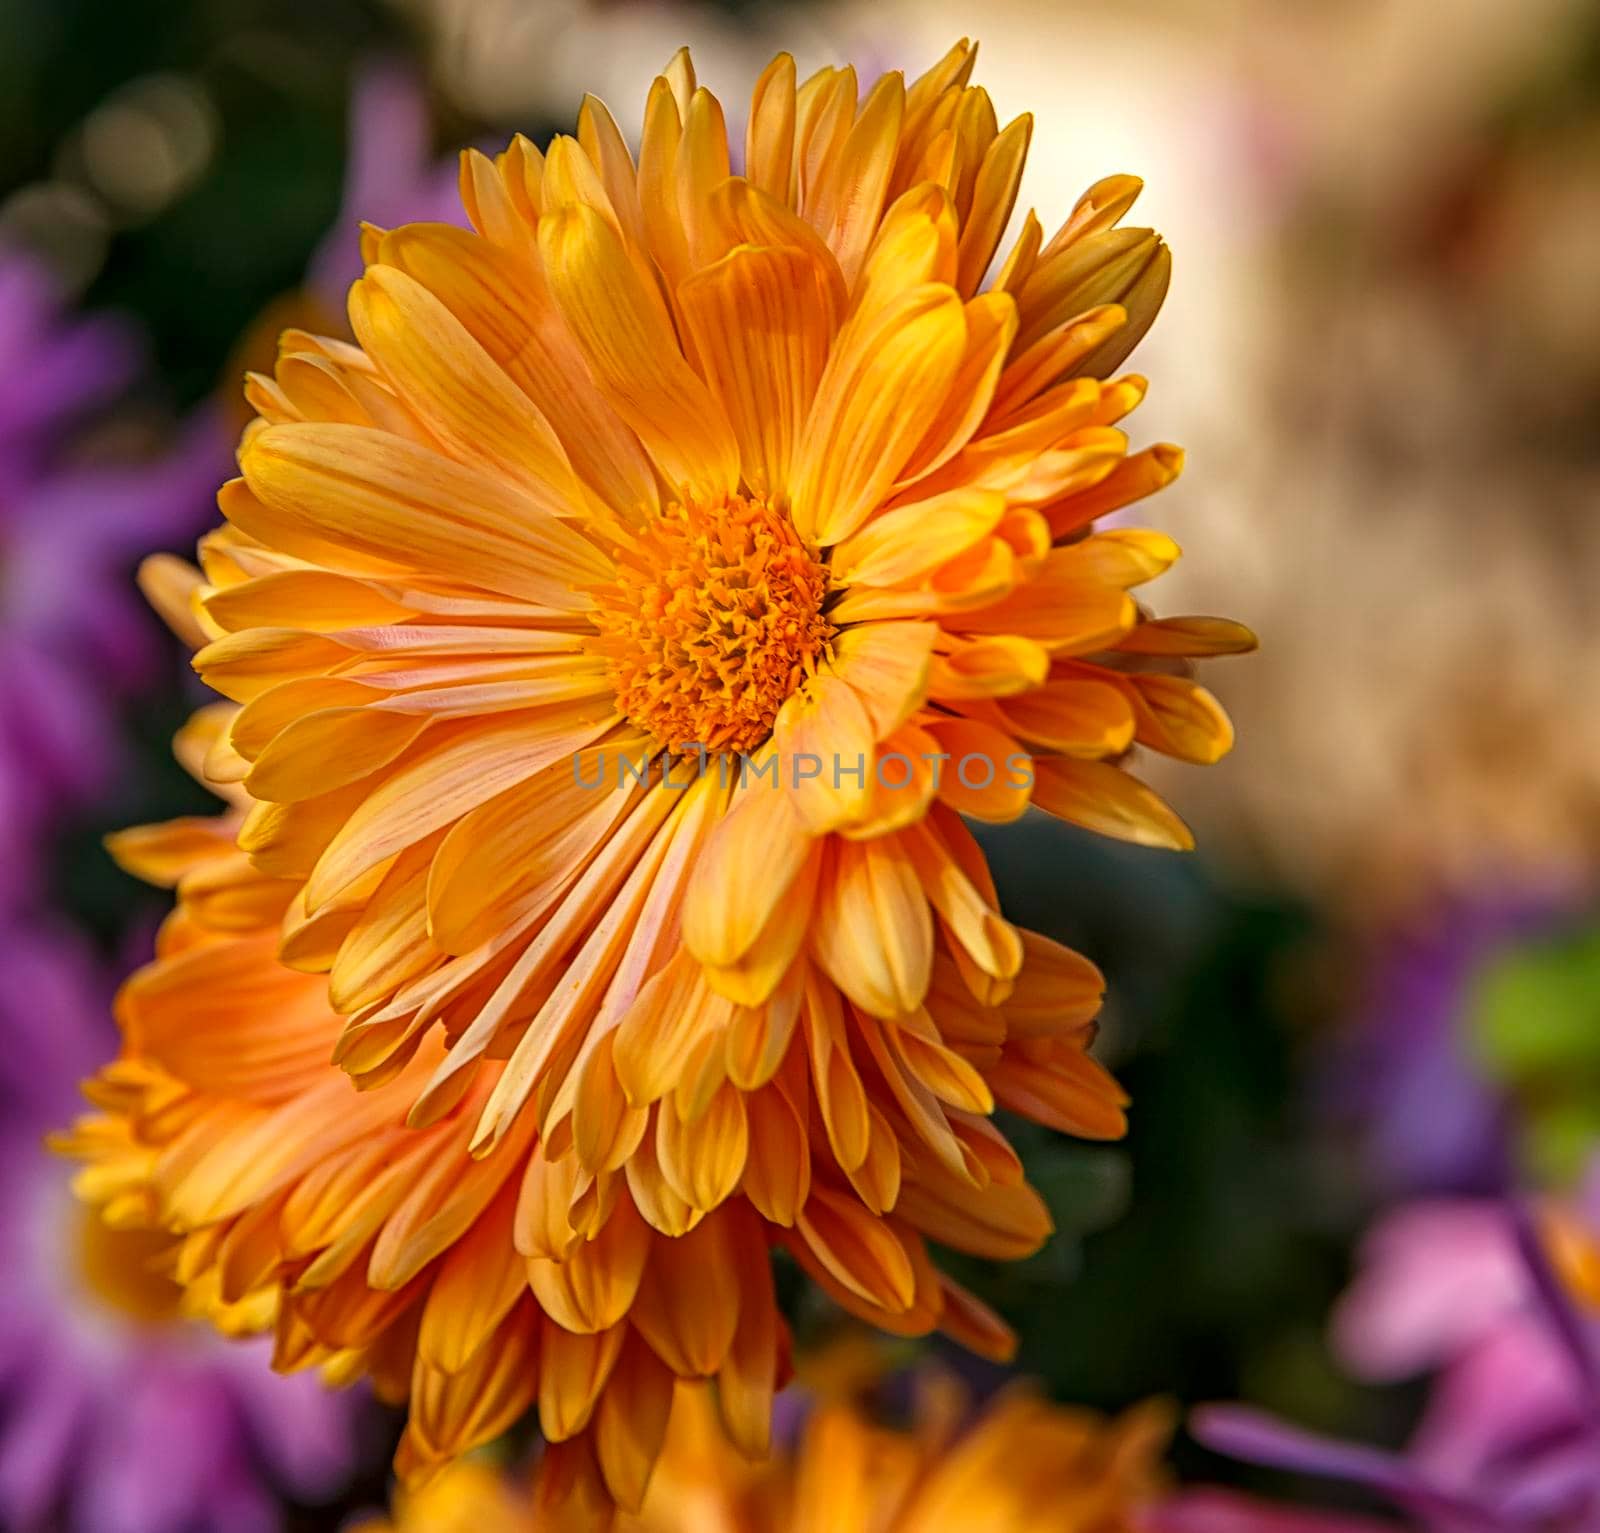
{"x": 750, "y": 861}
{"x": 593, "y": 1286}
{"x": 857, "y": 1248}
{"x": 631, "y": 1424}
{"x": 987, "y": 775}
{"x": 703, "y": 1159}
{"x": 886, "y": 665}
{"x": 688, "y": 1306}
{"x": 572, "y": 1374}
{"x": 1104, "y": 798}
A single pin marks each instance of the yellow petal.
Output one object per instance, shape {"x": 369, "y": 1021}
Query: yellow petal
{"x": 630, "y": 347}
{"x": 903, "y": 783}
{"x": 631, "y": 1424}
{"x": 1001, "y": 666}
{"x": 1122, "y": 556}
{"x": 702, "y": 164}
{"x": 1180, "y": 718}
{"x": 850, "y": 201}
{"x": 453, "y": 1413}
{"x": 171, "y": 585}
{"x": 758, "y": 972}
{"x": 759, "y": 1036}
{"x": 906, "y": 543}
{"x": 777, "y": 1173}
{"x": 506, "y": 305}
{"x": 317, "y": 600}
{"x": 1054, "y": 358}
{"x": 1079, "y": 715}
{"x": 1098, "y": 268}
{"x": 322, "y": 751}
{"x": 1058, "y": 989}
{"x": 873, "y": 933}
{"x": 465, "y": 765}
{"x": 886, "y": 665}
{"x": 661, "y": 1207}
{"x": 660, "y": 1030}
{"x": 748, "y": 1379}
{"x": 1063, "y": 1088}
{"x": 991, "y": 324}
{"x": 388, "y": 942}
{"x": 968, "y": 915}
{"x": 762, "y": 321}
{"x": 749, "y": 863}
{"x": 998, "y": 1223}
{"x": 857, "y": 1248}
{"x": 1132, "y": 479}
{"x": 769, "y": 136}
{"x": 993, "y": 196}
{"x": 467, "y": 400}
{"x": 824, "y": 740}
{"x": 478, "y": 1281}
{"x": 1189, "y": 636}
{"x": 1060, "y": 608}
{"x": 371, "y": 494}
{"x": 573, "y": 1372}
{"x": 162, "y": 854}
{"x": 889, "y": 374}
{"x": 877, "y": 1179}
{"x": 840, "y": 1095}
{"x": 530, "y": 837}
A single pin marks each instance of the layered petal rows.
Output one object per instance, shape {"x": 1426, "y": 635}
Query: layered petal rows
{"x": 614, "y": 641}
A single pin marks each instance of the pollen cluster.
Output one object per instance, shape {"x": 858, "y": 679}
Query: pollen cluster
{"x": 712, "y": 621}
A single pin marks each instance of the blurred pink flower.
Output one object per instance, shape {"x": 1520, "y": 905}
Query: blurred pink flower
{"x": 1221, "y": 1511}
{"x": 1434, "y": 1278}
{"x": 1509, "y": 1441}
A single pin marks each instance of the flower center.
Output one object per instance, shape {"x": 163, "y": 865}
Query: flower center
{"x": 712, "y": 621}
{"x": 119, "y": 1268}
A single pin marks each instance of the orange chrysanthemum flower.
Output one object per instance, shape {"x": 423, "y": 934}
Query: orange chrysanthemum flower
{"x": 469, "y": 1497}
{"x": 620, "y": 633}
{"x": 1024, "y": 1464}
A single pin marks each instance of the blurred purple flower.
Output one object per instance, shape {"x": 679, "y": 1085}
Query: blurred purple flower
{"x": 117, "y": 1415}
{"x": 392, "y": 176}
{"x": 1510, "y": 1439}
{"x": 74, "y": 633}
{"x": 1431, "y": 1121}
{"x": 53, "y": 369}
{"x": 72, "y": 629}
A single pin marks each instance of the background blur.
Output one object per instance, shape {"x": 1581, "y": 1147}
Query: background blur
{"x": 1377, "y": 982}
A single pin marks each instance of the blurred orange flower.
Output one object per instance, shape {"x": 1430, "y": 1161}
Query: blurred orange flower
{"x": 1025, "y": 1464}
